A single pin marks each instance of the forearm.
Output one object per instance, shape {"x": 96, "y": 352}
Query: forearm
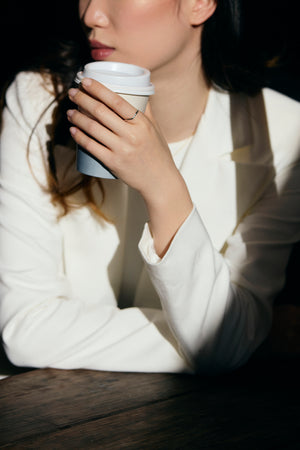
{"x": 69, "y": 334}
{"x": 168, "y": 207}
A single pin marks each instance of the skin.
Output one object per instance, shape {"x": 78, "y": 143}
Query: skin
{"x": 163, "y": 36}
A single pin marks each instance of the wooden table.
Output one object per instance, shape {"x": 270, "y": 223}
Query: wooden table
{"x": 254, "y": 408}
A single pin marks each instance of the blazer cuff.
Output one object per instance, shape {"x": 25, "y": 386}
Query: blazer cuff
{"x": 146, "y": 244}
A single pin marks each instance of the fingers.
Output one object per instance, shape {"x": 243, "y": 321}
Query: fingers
{"x": 105, "y": 106}
{"x": 114, "y": 101}
{"x": 106, "y": 125}
{"x": 97, "y": 110}
{"x": 90, "y": 145}
{"x": 93, "y": 128}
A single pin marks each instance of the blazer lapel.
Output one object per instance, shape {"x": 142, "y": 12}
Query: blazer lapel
{"x": 229, "y": 162}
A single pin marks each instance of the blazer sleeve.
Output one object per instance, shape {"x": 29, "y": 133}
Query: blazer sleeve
{"x": 219, "y": 303}
{"x": 41, "y": 323}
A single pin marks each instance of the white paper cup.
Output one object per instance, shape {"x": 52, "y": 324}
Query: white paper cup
{"x": 132, "y": 83}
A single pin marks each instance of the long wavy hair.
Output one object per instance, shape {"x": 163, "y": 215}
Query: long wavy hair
{"x": 225, "y": 61}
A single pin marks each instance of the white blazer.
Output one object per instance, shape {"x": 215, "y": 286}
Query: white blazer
{"x": 75, "y": 291}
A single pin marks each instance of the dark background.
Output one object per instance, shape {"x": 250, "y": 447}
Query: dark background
{"x": 271, "y": 30}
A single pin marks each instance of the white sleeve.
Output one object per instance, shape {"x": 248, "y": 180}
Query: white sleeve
{"x": 41, "y": 324}
{"x": 219, "y": 306}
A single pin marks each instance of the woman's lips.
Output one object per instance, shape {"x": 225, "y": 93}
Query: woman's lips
{"x": 100, "y": 51}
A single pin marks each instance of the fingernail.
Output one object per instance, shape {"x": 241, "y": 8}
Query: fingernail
{"x": 73, "y": 131}
{"x": 86, "y": 82}
{"x": 70, "y": 112}
{"x": 72, "y": 92}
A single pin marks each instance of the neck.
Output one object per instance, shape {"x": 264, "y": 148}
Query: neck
{"x": 179, "y": 101}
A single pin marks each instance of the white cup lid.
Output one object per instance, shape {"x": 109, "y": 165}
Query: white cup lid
{"x": 119, "y": 77}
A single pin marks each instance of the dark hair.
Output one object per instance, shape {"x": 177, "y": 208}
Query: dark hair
{"x": 63, "y": 183}
{"x": 228, "y": 60}
{"x": 226, "y": 65}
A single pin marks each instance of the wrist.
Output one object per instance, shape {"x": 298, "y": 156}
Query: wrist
{"x": 168, "y": 206}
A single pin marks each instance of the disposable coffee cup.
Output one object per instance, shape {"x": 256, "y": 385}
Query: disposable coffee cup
{"x": 130, "y": 82}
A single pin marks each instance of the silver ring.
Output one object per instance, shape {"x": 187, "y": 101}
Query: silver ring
{"x": 133, "y": 117}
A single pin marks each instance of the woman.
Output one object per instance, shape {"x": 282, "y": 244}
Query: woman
{"x": 212, "y": 174}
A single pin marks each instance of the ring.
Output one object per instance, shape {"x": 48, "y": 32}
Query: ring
{"x": 133, "y": 117}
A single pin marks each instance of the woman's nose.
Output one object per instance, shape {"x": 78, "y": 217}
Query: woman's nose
{"x": 95, "y": 14}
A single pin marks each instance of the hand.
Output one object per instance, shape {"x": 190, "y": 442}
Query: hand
{"x": 134, "y": 151}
